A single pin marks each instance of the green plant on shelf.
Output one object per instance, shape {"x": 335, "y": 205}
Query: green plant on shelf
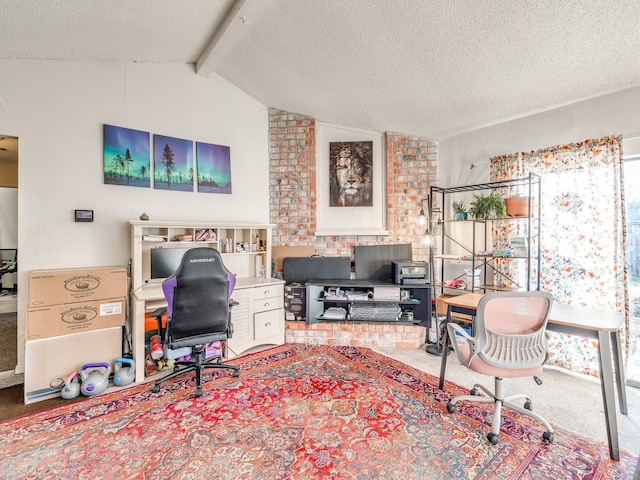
{"x": 487, "y": 207}
{"x": 459, "y": 207}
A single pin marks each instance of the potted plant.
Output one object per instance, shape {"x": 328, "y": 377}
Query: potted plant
{"x": 459, "y": 211}
{"x": 487, "y": 206}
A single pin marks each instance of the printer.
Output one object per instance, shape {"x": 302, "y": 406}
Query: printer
{"x": 410, "y": 273}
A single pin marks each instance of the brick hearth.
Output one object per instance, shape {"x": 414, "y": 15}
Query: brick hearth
{"x": 357, "y": 334}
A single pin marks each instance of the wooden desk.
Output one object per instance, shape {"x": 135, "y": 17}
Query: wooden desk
{"x": 257, "y": 319}
{"x": 586, "y": 322}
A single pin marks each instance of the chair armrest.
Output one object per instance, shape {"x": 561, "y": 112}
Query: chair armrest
{"x": 232, "y": 303}
{"x": 456, "y": 330}
{"x": 158, "y": 312}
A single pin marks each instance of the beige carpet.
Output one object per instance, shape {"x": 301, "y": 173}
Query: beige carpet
{"x": 568, "y": 401}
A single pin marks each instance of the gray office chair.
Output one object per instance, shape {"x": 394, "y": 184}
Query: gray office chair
{"x": 510, "y": 341}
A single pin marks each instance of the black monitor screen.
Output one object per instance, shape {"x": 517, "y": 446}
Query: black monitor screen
{"x": 165, "y": 261}
{"x": 373, "y": 262}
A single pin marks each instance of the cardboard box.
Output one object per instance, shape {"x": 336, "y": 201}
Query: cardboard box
{"x": 278, "y": 253}
{"x": 442, "y": 308}
{"x": 55, "y": 320}
{"x": 295, "y": 302}
{"x": 51, "y": 360}
{"x": 57, "y": 287}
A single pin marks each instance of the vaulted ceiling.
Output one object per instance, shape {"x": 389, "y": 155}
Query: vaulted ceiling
{"x": 433, "y": 68}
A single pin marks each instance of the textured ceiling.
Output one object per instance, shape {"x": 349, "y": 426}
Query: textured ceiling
{"x": 433, "y": 68}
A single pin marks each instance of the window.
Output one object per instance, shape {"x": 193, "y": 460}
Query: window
{"x": 632, "y": 206}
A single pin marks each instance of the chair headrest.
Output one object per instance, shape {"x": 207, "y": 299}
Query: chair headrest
{"x": 201, "y": 262}
{"x": 197, "y": 264}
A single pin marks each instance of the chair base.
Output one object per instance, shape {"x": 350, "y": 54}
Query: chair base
{"x": 500, "y": 401}
{"x": 196, "y": 366}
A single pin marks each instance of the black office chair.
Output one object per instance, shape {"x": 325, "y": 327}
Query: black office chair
{"x": 8, "y": 264}
{"x": 198, "y": 312}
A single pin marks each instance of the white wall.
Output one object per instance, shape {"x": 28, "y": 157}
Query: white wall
{"x": 612, "y": 114}
{"x": 58, "y": 108}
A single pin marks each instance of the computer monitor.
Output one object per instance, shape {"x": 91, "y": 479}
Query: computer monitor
{"x": 373, "y": 262}
{"x": 166, "y": 260}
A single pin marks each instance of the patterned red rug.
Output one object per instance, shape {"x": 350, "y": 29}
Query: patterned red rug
{"x": 296, "y": 412}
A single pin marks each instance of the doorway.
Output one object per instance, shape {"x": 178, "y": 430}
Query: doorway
{"x": 632, "y": 204}
{"x": 8, "y": 255}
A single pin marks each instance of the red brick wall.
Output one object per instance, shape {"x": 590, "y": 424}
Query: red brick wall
{"x": 411, "y": 168}
{"x": 292, "y": 177}
{"x": 356, "y": 334}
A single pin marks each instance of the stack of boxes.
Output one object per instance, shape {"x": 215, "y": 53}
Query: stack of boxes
{"x": 74, "y": 317}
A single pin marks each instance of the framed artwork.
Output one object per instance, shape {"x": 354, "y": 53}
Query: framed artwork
{"x": 172, "y": 164}
{"x": 126, "y": 157}
{"x": 214, "y": 168}
{"x": 350, "y": 172}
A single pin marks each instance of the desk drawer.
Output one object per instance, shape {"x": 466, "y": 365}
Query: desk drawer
{"x": 268, "y": 324}
{"x": 265, "y": 304}
{"x": 268, "y": 291}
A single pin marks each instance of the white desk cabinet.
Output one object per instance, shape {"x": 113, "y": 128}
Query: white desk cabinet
{"x": 258, "y": 318}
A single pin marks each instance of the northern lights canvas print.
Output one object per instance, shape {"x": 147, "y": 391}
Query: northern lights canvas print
{"x": 214, "y": 168}
{"x": 173, "y": 163}
{"x": 126, "y": 157}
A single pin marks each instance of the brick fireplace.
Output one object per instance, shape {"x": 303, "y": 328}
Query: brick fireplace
{"x": 357, "y": 334}
{"x": 411, "y": 167}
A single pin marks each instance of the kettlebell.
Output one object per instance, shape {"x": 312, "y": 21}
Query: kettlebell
{"x": 123, "y": 371}
{"x": 95, "y": 381}
{"x": 71, "y": 388}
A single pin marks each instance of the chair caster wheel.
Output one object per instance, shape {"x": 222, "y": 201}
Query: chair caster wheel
{"x": 198, "y": 392}
{"x": 155, "y": 389}
{"x": 528, "y": 405}
{"x": 493, "y": 438}
{"x": 473, "y": 391}
{"x": 548, "y": 436}
{"x": 451, "y": 407}
{"x": 236, "y": 373}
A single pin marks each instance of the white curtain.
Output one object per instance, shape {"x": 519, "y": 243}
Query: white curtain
{"x": 582, "y": 232}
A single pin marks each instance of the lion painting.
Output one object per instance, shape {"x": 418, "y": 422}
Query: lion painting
{"x": 351, "y": 174}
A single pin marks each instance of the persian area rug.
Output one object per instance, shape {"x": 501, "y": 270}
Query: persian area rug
{"x": 295, "y": 412}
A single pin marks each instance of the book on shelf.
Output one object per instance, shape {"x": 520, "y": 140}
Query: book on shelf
{"x": 154, "y": 238}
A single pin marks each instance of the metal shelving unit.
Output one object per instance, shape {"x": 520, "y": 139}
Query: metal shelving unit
{"x": 478, "y": 238}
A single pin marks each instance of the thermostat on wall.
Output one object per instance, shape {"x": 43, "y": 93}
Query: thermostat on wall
{"x": 84, "y": 215}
